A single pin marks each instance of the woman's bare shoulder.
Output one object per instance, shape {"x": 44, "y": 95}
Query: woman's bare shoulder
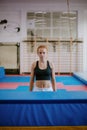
{"x": 34, "y": 64}
{"x": 51, "y": 64}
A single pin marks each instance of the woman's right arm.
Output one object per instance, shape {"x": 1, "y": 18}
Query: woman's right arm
{"x": 32, "y": 77}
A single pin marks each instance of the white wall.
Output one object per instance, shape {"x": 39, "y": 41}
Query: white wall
{"x": 17, "y": 11}
{"x": 85, "y": 42}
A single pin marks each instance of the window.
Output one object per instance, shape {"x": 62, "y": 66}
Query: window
{"x": 52, "y": 25}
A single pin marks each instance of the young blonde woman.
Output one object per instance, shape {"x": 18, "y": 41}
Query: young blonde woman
{"x": 42, "y": 72}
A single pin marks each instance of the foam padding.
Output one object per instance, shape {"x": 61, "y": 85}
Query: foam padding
{"x": 2, "y": 72}
{"x": 22, "y": 88}
{"x": 12, "y": 79}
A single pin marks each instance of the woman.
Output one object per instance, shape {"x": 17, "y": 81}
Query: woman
{"x": 44, "y": 72}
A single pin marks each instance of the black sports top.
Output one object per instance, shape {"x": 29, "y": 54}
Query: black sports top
{"x": 43, "y": 74}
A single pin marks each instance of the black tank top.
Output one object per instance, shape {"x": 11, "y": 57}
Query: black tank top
{"x": 43, "y": 74}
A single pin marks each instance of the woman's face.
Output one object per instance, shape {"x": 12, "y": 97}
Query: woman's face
{"x": 42, "y": 53}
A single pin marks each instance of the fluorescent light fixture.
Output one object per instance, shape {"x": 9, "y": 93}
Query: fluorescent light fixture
{"x": 40, "y": 12}
{"x": 69, "y": 12}
{"x": 39, "y": 20}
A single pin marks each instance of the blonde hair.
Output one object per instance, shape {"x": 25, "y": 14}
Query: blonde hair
{"x": 42, "y": 46}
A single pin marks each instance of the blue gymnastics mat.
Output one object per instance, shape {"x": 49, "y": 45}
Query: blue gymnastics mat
{"x": 66, "y": 80}
{"x": 15, "y": 79}
{"x": 60, "y": 108}
{"x": 23, "y": 95}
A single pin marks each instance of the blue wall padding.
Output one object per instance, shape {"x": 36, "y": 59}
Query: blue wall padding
{"x": 2, "y": 72}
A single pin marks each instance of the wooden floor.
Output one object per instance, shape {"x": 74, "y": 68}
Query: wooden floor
{"x": 46, "y": 128}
